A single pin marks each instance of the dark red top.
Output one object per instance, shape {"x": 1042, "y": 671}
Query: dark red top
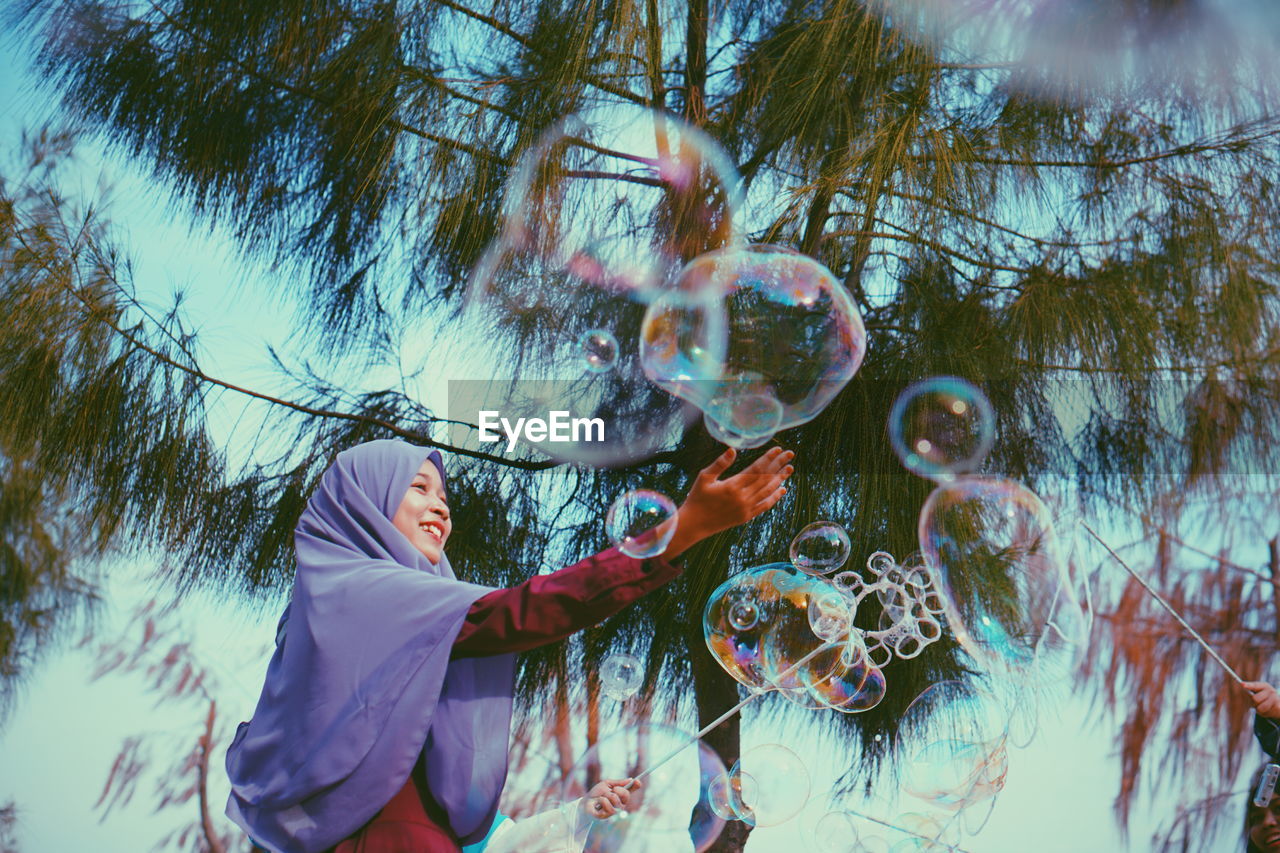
{"x": 541, "y": 610}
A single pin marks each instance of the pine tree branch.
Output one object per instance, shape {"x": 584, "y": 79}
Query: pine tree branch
{"x": 317, "y": 98}
{"x": 1224, "y": 142}
{"x": 908, "y": 237}
{"x": 531, "y": 45}
{"x": 990, "y": 223}
{"x": 1254, "y": 362}
{"x": 203, "y": 377}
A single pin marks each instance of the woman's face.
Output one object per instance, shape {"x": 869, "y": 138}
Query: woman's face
{"x": 1264, "y": 826}
{"x": 423, "y": 515}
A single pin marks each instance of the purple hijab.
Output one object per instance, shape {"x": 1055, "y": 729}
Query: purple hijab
{"x": 361, "y": 682}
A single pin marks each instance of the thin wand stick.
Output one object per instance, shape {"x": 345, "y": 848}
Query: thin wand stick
{"x": 1167, "y": 606}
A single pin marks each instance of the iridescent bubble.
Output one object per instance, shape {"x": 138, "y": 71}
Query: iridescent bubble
{"x": 641, "y": 523}
{"x": 765, "y": 654}
{"x": 942, "y": 427}
{"x": 621, "y": 675}
{"x": 599, "y": 350}
{"x": 743, "y": 615}
{"x": 791, "y": 332}
{"x": 820, "y": 548}
{"x": 780, "y": 783}
{"x": 830, "y": 615}
{"x": 928, "y": 834}
{"x": 573, "y": 256}
{"x": 852, "y": 687}
{"x": 1006, "y": 593}
{"x": 672, "y": 807}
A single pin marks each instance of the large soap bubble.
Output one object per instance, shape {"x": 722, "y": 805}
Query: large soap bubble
{"x": 605, "y": 208}
{"x": 621, "y": 675}
{"x": 618, "y": 198}
{"x": 942, "y": 427}
{"x": 1008, "y": 598}
{"x": 671, "y": 808}
{"x": 820, "y": 548}
{"x": 776, "y": 323}
{"x": 641, "y": 523}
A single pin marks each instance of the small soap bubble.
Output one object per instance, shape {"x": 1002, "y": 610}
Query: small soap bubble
{"x": 743, "y": 615}
{"x": 621, "y": 675}
{"x": 724, "y": 795}
{"x": 942, "y": 427}
{"x": 830, "y": 616}
{"x": 641, "y": 523}
{"x": 880, "y": 562}
{"x": 820, "y": 548}
{"x": 835, "y": 833}
{"x": 599, "y": 350}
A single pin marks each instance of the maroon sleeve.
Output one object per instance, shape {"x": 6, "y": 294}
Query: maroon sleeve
{"x": 550, "y": 607}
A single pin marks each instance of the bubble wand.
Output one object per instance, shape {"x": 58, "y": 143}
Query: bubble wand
{"x": 1167, "y": 606}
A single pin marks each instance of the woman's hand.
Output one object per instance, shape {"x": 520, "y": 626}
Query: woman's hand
{"x": 1265, "y": 700}
{"x": 713, "y": 505}
{"x": 608, "y": 796}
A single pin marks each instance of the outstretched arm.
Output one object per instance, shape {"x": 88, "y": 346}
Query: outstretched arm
{"x": 548, "y": 608}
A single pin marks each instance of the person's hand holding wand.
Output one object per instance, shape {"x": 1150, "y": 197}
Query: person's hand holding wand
{"x": 1265, "y": 699}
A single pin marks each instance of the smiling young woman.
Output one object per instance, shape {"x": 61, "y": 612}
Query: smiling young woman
{"x": 383, "y": 721}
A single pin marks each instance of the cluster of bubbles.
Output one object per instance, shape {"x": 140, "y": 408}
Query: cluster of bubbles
{"x": 641, "y": 523}
{"x": 752, "y": 338}
{"x": 759, "y": 625}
